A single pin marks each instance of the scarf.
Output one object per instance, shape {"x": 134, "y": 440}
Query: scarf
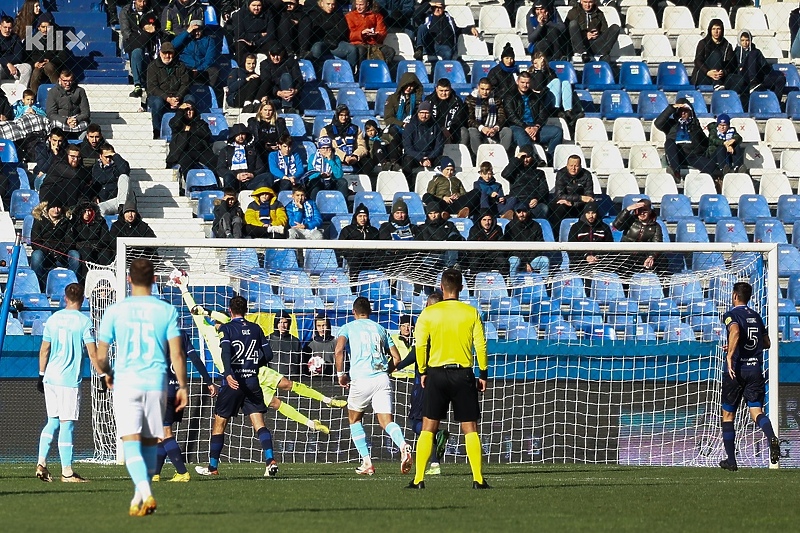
{"x": 346, "y": 134}
{"x": 239, "y": 158}
{"x": 322, "y": 165}
{"x": 682, "y": 136}
{"x": 265, "y": 213}
{"x": 404, "y": 110}
{"x": 287, "y": 164}
{"x": 514, "y": 69}
{"x": 307, "y": 209}
{"x": 728, "y": 135}
{"x": 491, "y": 116}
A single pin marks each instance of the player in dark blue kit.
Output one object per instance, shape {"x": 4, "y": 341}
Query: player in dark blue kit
{"x": 245, "y": 349}
{"x": 743, "y": 374}
{"x": 168, "y": 446}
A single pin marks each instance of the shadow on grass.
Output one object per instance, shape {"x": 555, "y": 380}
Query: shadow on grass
{"x": 45, "y": 493}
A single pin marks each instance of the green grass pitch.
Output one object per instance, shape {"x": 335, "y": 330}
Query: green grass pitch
{"x": 308, "y": 497}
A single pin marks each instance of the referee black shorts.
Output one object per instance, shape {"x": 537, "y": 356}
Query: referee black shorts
{"x": 444, "y": 386}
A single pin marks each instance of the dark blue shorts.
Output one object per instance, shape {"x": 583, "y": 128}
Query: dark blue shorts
{"x": 249, "y": 400}
{"x": 749, "y": 384}
{"x": 170, "y": 416}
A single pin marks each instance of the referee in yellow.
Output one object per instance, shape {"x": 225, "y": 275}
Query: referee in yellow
{"x": 453, "y": 329}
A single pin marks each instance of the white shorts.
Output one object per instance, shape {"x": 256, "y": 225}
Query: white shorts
{"x": 63, "y": 403}
{"x": 376, "y": 391}
{"x": 139, "y": 412}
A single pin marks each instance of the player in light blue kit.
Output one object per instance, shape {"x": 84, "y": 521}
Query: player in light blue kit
{"x": 370, "y": 347}
{"x": 146, "y": 329}
{"x": 66, "y": 333}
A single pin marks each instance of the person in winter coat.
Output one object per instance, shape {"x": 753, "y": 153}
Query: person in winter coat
{"x": 111, "y": 176}
{"x": 448, "y": 110}
{"x": 714, "y": 60}
{"x": 399, "y": 227}
{"x": 367, "y": 30}
{"x": 325, "y": 33}
{"x": 52, "y": 241}
{"x": 305, "y": 220}
{"x": 139, "y": 25}
{"x": 638, "y": 223}
{"x": 130, "y": 224}
{"x": 528, "y": 183}
{"x": 179, "y": 14}
{"x": 90, "y": 235}
{"x": 267, "y": 127}
{"x": 244, "y": 82}
{"x": 589, "y": 32}
{"x": 68, "y": 180}
{"x": 67, "y": 105}
{"x": 486, "y": 118}
{"x": 12, "y": 54}
{"x": 322, "y": 345}
{"x": 756, "y": 73}
{"x": 543, "y": 79}
{"x": 228, "y": 216}
{"x": 281, "y": 79}
{"x": 523, "y": 228}
{"x": 438, "y": 35}
{"x": 423, "y": 143}
{"x": 48, "y": 152}
{"x": 486, "y": 229}
{"x": 168, "y": 82}
{"x": 286, "y": 165}
{"x": 288, "y": 21}
{"x": 346, "y": 138}
{"x": 360, "y": 229}
{"x": 686, "y": 143}
{"x": 286, "y": 349}
{"x": 724, "y": 146}
{"x": 190, "y": 146}
{"x": 199, "y": 51}
{"x": 446, "y": 190}
{"x": 265, "y": 217}
{"x": 252, "y": 29}
{"x": 574, "y": 188}
{"x": 547, "y": 33}
{"x": 325, "y": 171}
{"x": 527, "y": 114}
{"x": 493, "y": 197}
{"x": 590, "y": 228}
{"x": 438, "y": 229}
{"x": 503, "y": 75}
{"x": 240, "y": 164}
{"x": 401, "y": 106}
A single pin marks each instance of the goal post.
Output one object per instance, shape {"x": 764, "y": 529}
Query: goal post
{"x": 586, "y": 365}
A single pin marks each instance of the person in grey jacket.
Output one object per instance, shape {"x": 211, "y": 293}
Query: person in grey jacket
{"x": 286, "y": 347}
{"x": 67, "y": 106}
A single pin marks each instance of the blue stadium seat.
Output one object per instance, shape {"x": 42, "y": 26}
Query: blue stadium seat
{"x": 218, "y": 125}
{"x": 672, "y": 76}
{"x": 764, "y": 105}
{"x": 568, "y": 288}
{"x": 598, "y": 76}
{"x": 265, "y": 302}
{"x": 355, "y": 99}
{"x": 374, "y": 74}
{"x": 702, "y": 306}
{"x": 336, "y": 73}
{"x": 566, "y": 224}
{"x": 616, "y": 104}
{"x": 6, "y": 250}
{"x": 752, "y": 207}
{"x": 463, "y": 225}
{"x": 674, "y": 207}
{"x": 206, "y": 100}
{"x": 373, "y": 285}
{"x": 250, "y": 288}
{"x": 565, "y": 71}
{"x": 14, "y": 327}
{"x": 241, "y": 260}
{"x": 22, "y": 203}
{"x": 727, "y": 102}
{"x": 651, "y": 103}
{"x": 695, "y": 98}
{"x": 277, "y": 260}
{"x": 295, "y": 285}
{"x": 528, "y": 287}
{"x": 691, "y": 229}
{"x": 793, "y": 289}
{"x": 166, "y": 131}
{"x": 635, "y": 77}
{"x": 307, "y": 70}
{"x": 331, "y": 203}
{"x": 545, "y": 311}
{"x": 25, "y": 282}
{"x": 644, "y": 287}
{"x": 333, "y": 285}
{"x": 319, "y": 261}
{"x": 788, "y": 260}
{"x": 559, "y": 330}
{"x": 793, "y": 105}
{"x": 320, "y": 121}
{"x": 679, "y": 333}
{"x": 198, "y": 180}
{"x": 590, "y": 109}
{"x": 713, "y": 207}
{"x": 529, "y": 332}
{"x": 416, "y": 211}
{"x": 789, "y": 71}
{"x": 730, "y": 229}
{"x": 295, "y": 125}
{"x": 607, "y": 288}
{"x": 212, "y": 297}
{"x": 372, "y": 200}
{"x": 685, "y": 289}
{"x": 489, "y": 286}
{"x": 789, "y": 208}
{"x": 547, "y": 230}
{"x": 314, "y": 100}
{"x": 414, "y": 66}
{"x": 210, "y": 16}
{"x": 451, "y": 70}
{"x": 339, "y": 222}
{"x": 30, "y": 301}
{"x": 41, "y": 94}
{"x": 8, "y": 152}
{"x": 380, "y": 99}
{"x": 504, "y": 307}
{"x": 110, "y": 219}
{"x": 769, "y": 230}
{"x": 205, "y": 204}
{"x": 707, "y": 261}
{"x": 480, "y": 70}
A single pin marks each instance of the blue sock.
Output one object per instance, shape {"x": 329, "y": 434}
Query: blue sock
{"x": 396, "y": 434}
{"x": 265, "y": 437}
{"x": 729, "y": 440}
{"x": 359, "y": 439}
{"x": 46, "y": 438}
{"x": 160, "y": 458}
{"x": 766, "y": 426}
{"x": 150, "y": 456}
{"x": 174, "y": 451}
{"x": 417, "y": 427}
{"x": 137, "y": 468}
{"x": 217, "y": 443}
{"x": 65, "y": 444}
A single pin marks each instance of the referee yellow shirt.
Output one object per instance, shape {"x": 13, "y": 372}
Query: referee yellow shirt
{"x": 453, "y": 329}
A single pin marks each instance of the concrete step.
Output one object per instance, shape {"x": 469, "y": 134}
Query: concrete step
{"x": 172, "y": 212}
{"x": 111, "y": 98}
{"x": 157, "y": 189}
{"x": 152, "y": 174}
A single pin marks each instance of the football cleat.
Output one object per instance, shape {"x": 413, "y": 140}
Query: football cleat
{"x": 418, "y": 486}
{"x": 322, "y": 428}
{"x": 365, "y": 469}
{"x": 774, "y": 450}
{"x": 134, "y": 509}
{"x": 74, "y": 478}
{"x": 338, "y": 402}
{"x": 433, "y": 470}
{"x": 180, "y": 478}
{"x": 484, "y": 485}
{"x": 156, "y": 478}
{"x": 405, "y": 459}
{"x": 147, "y": 507}
{"x": 43, "y": 473}
{"x": 727, "y": 465}
{"x": 206, "y": 471}
{"x": 440, "y": 442}
{"x": 272, "y": 469}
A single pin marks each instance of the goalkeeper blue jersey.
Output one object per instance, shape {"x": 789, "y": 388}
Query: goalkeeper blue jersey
{"x": 67, "y": 331}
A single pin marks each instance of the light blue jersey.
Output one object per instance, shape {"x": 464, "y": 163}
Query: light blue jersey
{"x": 369, "y": 348}
{"x": 142, "y": 327}
{"x": 67, "y": 331}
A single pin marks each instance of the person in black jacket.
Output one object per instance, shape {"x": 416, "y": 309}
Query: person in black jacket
{"x": 190, "y": 146}
{"x": 448, "y": 110}
{"x": 486, "y": 229}
{"x": 130, "y": 224}
{"x": 228, "y": 216}
{"x": 90, "y": 146}
{"x": 281, "y": 79}
{"x": 141, "y": 30}
{"x": 12, "y": 54}
{"x": 532, "y": 129}
{"x": 686, "y": 143}
{"x": 267, "y": 127}
{"x": 715, "y": 62}
{"x": 112, "y": 181}
{"x": 244, "y": 84}
{"x": 286, "y": 348}
{"x": 240, "y": 164}
{"x": 524, "y": 229}
{"x": 52, "y": 241}
{"x": 360, "y": 229}
{"x": 253, "y": 29}
{"x": 423, "y": 143}
{"x": 574, "y": 188}
{"x": 756, "y": 73}
{"x": 289, "y": 19}
{"x": 590, "y": 228}
{"x": 639, "y": 224}
{"x": 528, "y": 182}
{"x": 438, "y": 34}
{"x": 48, "y": 152}
{"x": 547, "y": 33}
{"x": 68, "y": 180}
{"x": 325, "y": 32}
{"x": 437, "y": 228}
{"x": 589, "y": 32}
{"x": 168, "y": 82}
{"x": 502, "y": 76}
{"x": 91, "y": 235}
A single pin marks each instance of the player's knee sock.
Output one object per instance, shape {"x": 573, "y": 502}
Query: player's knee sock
{"x": 160, "y": 458}
{"x": 474, "y": 452}
{"x": 265, "y": 437}
{"x": 729, "y": 440}
{"x": 293, "y": 414}
{"x": 766, "y": 426}
{"x": 150, "y": 456}
{"x": 174, "y": 451}
{"x": 65, "y": 446}
{"x": 359, "y": 439}
{"x": 217, "y": 443}
{"x": 137, "y": 468}
{"x": 308, "y": 392}
{"x": 46, "y": 438}
{"x": 424, "y": 447}
{"x": 396, "y": 434}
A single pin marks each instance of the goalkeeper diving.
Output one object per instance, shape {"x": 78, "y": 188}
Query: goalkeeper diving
{"x": 269, "y": 380}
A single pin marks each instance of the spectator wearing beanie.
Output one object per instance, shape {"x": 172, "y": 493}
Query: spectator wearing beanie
{"x": 589, "y": 228}
{"x": 423, "y": 143}
{"x": 503, "y": 75}
{"x": 360, "y": 229}
{"x": 446, "y": 190}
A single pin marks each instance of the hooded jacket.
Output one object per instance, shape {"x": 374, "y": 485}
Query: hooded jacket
{"x": 354, "y": 232}
{"x": 537, "y": 32}
{"x": 489, "y": 187}
{"x": 286, "y": 349}
{"x": 307, "y": 214}
{"x": 197, "y": 54}
{"x": 715, "y": 143}
{"x": 274, "y": 215}
{"x": 167, "y": 80}
{"x": 220, "y": 209}
{"x": 527, "y": 183}
{"x": 707, "y": 49}
{"x": 582, "y": 231}
{"x": 477, "y": 233}
{"x": 440, "y": 230}
{"x": 194, "y": 144}
{"x": 486, "y": 260}
{"x": 92, "y": 239}
{"x": 62, "y": 104}
{"x": 750, "y": 63}
{"x": 322, "y": 346}
{"x": 668, "y": 122}
{"x": 423, "y": 139}
{"x": 594, "y": 19}
{"x": 176, "y": 17}
{"x": 444, "y": 30}
{"x": 137, "y": 228}
{"x": 106, "y": 178}
{"x": 255, "y": 163}
{"x": 398, "y": 105}
{"x": 50, "y": 237}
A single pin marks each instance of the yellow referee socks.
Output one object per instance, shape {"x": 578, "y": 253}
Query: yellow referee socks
{"x": 474, "y": 452}
{"x": 292, "y": 414}
{"x": 305, "y": 390}
{"x": 424, "y": 449}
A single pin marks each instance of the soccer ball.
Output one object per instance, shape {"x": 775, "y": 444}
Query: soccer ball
{"x": 175, "y": 277}
{"x": 315, "y": 365}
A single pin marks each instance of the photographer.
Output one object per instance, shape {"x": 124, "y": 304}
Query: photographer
{"x": 686, "y": 142}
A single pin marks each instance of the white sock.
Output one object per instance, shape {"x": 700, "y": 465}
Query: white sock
{"x": 326, "y": 399}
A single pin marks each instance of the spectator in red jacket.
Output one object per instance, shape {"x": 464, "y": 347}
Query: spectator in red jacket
{"x": 368, "y": 31}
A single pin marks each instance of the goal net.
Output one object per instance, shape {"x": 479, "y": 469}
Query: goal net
{"x": 592, "y": 357}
